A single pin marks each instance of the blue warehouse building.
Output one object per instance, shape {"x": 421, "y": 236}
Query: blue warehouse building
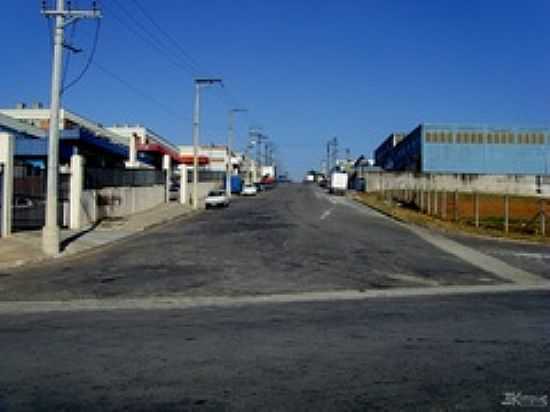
{"x": 444, "y": 148}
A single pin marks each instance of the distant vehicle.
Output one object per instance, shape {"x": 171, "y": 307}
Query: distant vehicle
{"x": 268, "y": 171}
{"x": 236, "y": 184}
{"x": 216, "y": 198}
{"x": 268, "y": 182}
{"x": 174, "y": 192}
{"x": 323, "y": 182}
{"x": 338, "y": 183}
{"x": 310, "y": 178}
{"x": 249, "y": 190}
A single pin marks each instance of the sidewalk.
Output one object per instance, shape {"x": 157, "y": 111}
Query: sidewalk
{"x": 26, "y": 247}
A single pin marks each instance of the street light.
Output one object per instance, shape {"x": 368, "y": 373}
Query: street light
{"x": 199, "y": 83}
{"x": 230, "y": 137}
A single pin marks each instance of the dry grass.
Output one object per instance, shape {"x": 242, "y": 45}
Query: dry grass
{"x": 522, "y": 224}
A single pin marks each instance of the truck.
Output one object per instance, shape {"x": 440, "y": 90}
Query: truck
{"x": 338, "y": 183}
{"x": 309, "y": 178}
{"x": 236, "y": 184}
{"x": 268, "y": 171}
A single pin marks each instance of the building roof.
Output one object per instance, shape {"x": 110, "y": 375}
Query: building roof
{"x": 25, "y": 129}
{"x": 128, "y": 130}
{"x": 44, "y": 114}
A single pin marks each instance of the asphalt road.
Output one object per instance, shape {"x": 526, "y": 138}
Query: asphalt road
{"x": 440, "y": 352}
{"x": 428, "y": 354}
{"x": 293, "y": 239}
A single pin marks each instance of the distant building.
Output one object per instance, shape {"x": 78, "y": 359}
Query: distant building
{"x": 211, "y": 157}
{"x": 31, "y": 146}
{"x": 382, "y": 152}
{"x": 437, "y": 148}
{"x": 100, "y": 147}
{"x": 146, "y": 147}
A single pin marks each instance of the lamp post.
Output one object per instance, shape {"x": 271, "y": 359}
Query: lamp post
{"x": 199, "y": 83}
{"x": 230, "y": 140}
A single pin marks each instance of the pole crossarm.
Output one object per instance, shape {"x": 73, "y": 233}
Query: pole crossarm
{"x": 70, "y": 16}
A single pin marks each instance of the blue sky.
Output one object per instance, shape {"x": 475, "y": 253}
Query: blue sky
{"x": 306, "y": 69}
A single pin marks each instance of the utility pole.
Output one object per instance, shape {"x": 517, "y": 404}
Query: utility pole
{"x": 199, "y": 83}
{"x": 230, "y": 142}
{"x": 63, "y": 18}
{"x": 332, "y": 153}
{"x": 328, "y": 158}
{"x": 258, "y": 138}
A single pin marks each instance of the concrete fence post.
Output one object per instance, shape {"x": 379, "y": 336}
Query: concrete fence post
{"x": 542, "y": 218}
{"x": 436, "y": 203}
{"x": 167, "y": 167}
{"x": 429, "y": 199}
{"x": 444, "y": 206}
{"x": 476, "y": 208}
{"x": 7, "y": 152}
{"x": 506, "y": 213}
{"x": 183, "y": 184}
{"x": 76, "y": 186}
{"x": 457, "y": 206}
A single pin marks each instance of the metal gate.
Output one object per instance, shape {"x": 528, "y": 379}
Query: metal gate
{"x": 29, "y": 201}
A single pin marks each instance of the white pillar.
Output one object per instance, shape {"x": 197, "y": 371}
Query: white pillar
{"x": 76, "y": 188}
{"x": 167, "y": 167}
{"x": 183, "y": 184}
{"x": 228, "y": 172}
{"x": 133, "y": 151}
{"x": 254, "y": 172}
{"x": 7, "y": 151}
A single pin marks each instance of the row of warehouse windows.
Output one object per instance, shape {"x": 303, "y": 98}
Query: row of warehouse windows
{"x": 481, "y": 138}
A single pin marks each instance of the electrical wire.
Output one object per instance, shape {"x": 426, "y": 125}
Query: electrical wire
{"x": 68, "y": 59}
{"x": 188, "y": 64}
{"x": 90, "y": 59}
{"x": 151, "y": 43}
{"x": 195, "y": 65}
{"x": 167, "y": 109}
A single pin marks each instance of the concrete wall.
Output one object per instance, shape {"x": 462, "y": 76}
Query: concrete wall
{"x": 523, "y": 185}
{"x": 118, "y": 201}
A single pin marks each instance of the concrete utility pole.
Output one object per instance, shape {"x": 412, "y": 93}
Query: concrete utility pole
{"x": 257, "y": 138}
{"x": 199, "y": 83}
{"x": 63, "y": 18}
{"x": 230, "y": 142}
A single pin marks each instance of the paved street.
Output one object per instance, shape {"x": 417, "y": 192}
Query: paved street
{"x": 433, "y": 351}
{"x": 294, "y": 239}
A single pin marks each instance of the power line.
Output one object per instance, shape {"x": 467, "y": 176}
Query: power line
{"x": 188, "y": 64}
{"x": 149, "y": 38}
{"x": 167, "y": 109}
{"x": 182, "y": 51}
{"x": 89, "y": 62}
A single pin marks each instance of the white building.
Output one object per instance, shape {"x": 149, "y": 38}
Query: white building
{"x": 145, "y": 146}
{"x": 211, "y": 157}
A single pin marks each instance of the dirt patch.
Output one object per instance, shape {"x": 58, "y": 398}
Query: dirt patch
{"x": 453, "y": 216}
